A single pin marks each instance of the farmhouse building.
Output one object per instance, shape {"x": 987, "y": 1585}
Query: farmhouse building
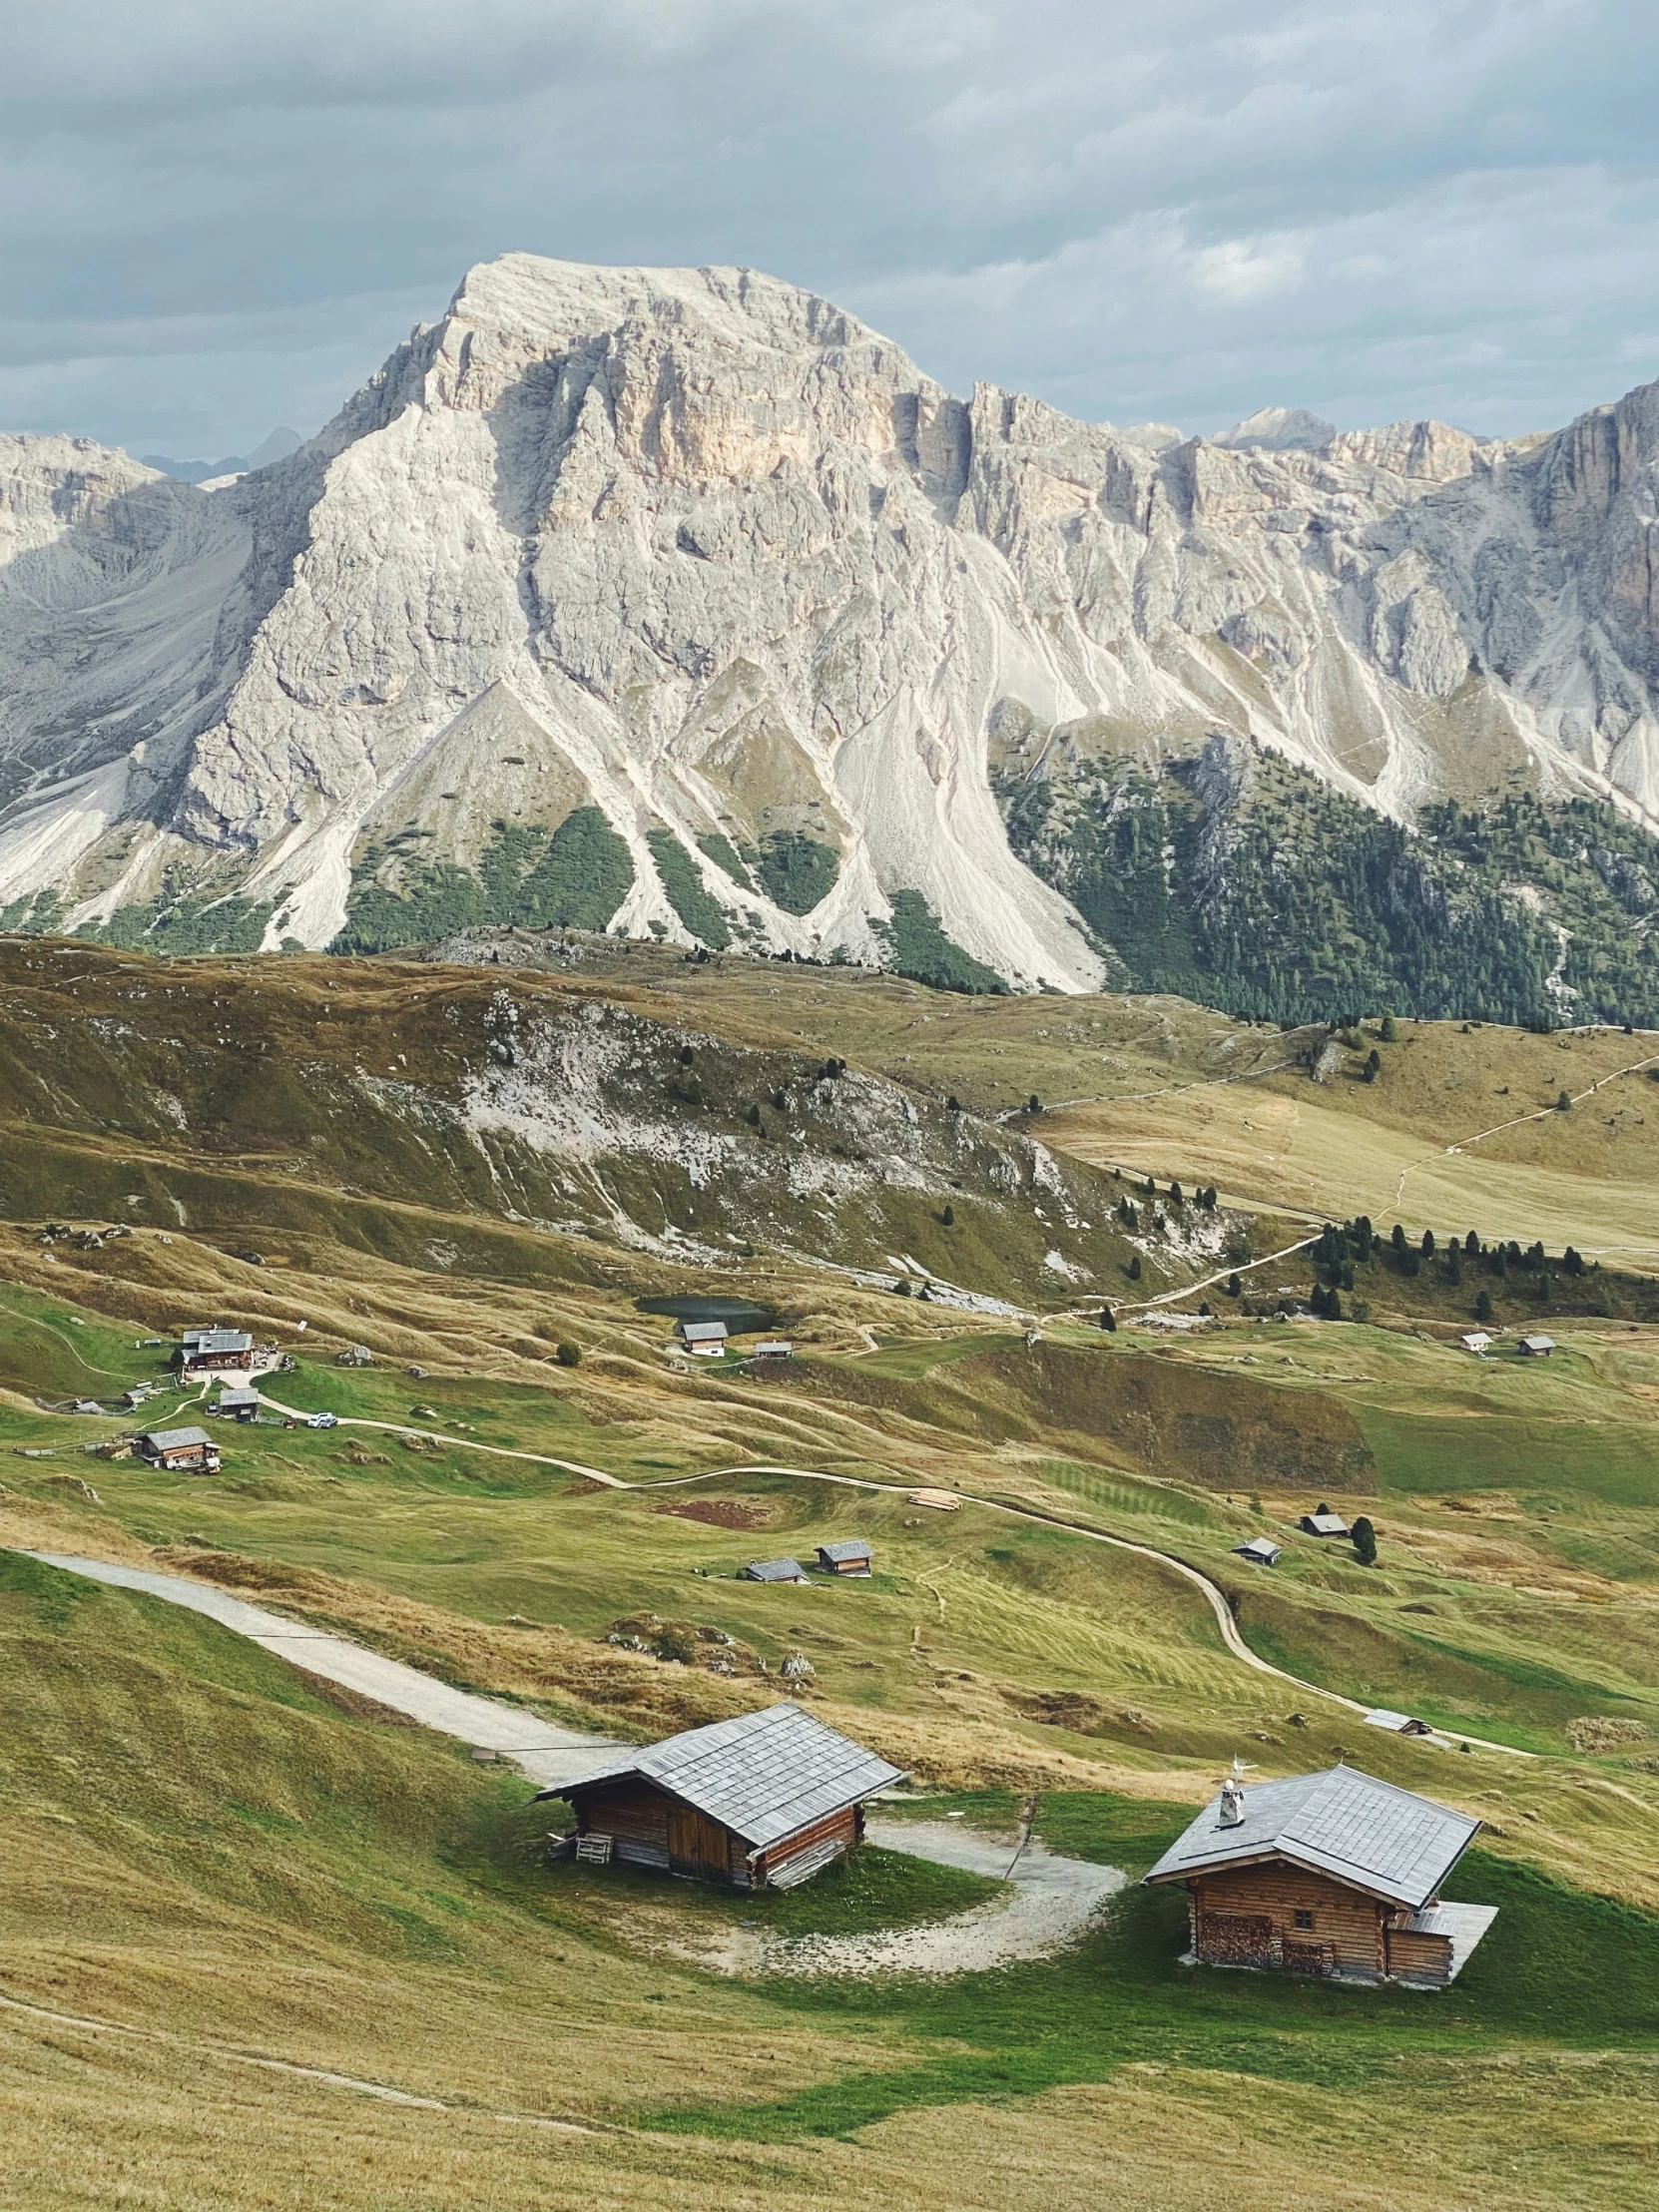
{"x": 1536, "y": 1348}
{"x": 191, "y": 1450}
{"x": 761, "y": 1802}
{"x": 241, "y": 1403}
{"x": 1476, "y": 1340}
{"x": 1333, "y": 1874}
{"x": 1262, "y": 1551}
{"x": 850, "y": 1556}
{"x": 774, "y": 1570}
{"x": 213, "y": 1350}
{"x": 705, "y": 1339}
{"x": 775, "y": 1348}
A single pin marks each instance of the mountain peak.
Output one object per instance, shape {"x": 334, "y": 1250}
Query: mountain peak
{"x": 1279, "y": 430}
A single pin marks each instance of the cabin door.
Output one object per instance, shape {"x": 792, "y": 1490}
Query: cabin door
{"x": 697, "y": 1844}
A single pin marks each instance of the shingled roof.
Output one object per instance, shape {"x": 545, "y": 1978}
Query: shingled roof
{"x": 1343, "y": 1823}
{"x": 764, "y": 1776}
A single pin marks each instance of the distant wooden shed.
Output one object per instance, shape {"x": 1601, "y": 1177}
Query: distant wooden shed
{"x": 762, "y": 1801}
{"x": 1334, "y": 1875}
{"x": 1535, "y": 1348}
{"x": 1323, "y": 1524}
{"x": 241, "y": 1403}
{"x": 850, "y": 1555}
{"x": 1261, "y": 1551}
{"x": 774, "y": 1570}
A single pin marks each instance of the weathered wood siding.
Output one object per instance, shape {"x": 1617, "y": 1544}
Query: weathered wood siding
{"x": 631, "y": 1812}
{"x": 846, "y": 1828}
{"x": 1423, "y": 1958}
{"x": 1246, "y": 1916}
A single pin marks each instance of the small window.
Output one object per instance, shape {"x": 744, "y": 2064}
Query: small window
{"x": 1304, "y": 1919}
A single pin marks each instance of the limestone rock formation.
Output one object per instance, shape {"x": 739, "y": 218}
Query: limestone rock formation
{"x": 681, "y": 599}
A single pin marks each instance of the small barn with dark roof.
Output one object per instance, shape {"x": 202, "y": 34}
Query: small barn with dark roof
{"x": 1333, "y": 1874}
{"x": 1323, "y": 1524}
{"x": 774, "y": 1570}
{"x": 762, "y": 1801}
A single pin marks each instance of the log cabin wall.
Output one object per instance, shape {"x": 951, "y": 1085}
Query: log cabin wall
{"x": 1247, "y": 1917}
{"x": 844, "y": 1828}
{"x": 631, "y": 1812}
{"x": 1422, "y": 1956}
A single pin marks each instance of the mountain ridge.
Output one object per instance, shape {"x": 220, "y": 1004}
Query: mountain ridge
{"x": 697, "y": 562}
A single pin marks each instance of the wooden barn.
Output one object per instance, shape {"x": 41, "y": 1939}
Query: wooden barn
{"x": 192, "y": 1450}
{"x": 762, "y": 1801}
{"x": 216, "y": 1350}
{"x": 1333, "y": 1874}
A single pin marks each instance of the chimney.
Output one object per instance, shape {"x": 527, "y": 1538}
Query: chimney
{"x": 1231, "y": 1804}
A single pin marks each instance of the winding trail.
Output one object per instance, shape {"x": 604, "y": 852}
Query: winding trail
{"x": 464, "y": 1713}
{"x": 1519, "y": 1121}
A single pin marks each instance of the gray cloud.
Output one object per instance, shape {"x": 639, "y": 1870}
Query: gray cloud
{"x": 212, "y": 218}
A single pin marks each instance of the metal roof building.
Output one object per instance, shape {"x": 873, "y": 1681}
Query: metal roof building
{"x": 1364, "y": 1832}
{"x": 1323, "y": 1525}
{"x": 850, "y": 1555}
{"x": 1262, "y": 1550}
{"x": 774, "y": 1570}
{"x": 766, "y": 1798}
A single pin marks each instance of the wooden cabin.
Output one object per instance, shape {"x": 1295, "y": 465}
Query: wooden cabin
{"x": 1323, "y": 1524}
{"x": 851, "y": 1555}
{"x": 762, "y": 1801}
{"x": 1535, "y": 1348}
{"x": 1261, "y": 1551}
{"x": 704, "y": 1339}
{"x": 240, "y": 1403}
{"x": 774, "y": 1570}
{"x": 191, "y": 1450}
{"x": 1335, "y": 1875}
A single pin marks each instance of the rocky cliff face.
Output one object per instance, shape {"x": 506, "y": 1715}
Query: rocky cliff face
{"x": 682, "y": 601}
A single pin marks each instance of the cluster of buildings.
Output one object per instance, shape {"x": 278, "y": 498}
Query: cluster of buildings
{"x": 850, "y": 1555}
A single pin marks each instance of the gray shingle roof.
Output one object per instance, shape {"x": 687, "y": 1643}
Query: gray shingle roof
{"x": 175, "y": 1440}
{"x": 764, "y": 1776}
{"x": 243, "y": 1395}
{"x": 217, "y": 1339}
{"x": 1259, "y": 1547}
{"x": 848, "y": 1547}
{"x": 703, "y": 1332}
{"x": 1343, "y": 1823}
{"x": 1324, "y": 1524}
{"x": 775, "y": 1571}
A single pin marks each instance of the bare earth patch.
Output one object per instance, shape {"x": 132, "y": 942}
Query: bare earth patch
{"x": 1049, "y": 1904}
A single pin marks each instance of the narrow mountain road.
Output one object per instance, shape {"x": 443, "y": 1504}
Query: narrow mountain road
{"x": 545, "y": 1753}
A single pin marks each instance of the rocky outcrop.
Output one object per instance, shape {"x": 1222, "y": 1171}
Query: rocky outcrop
{"x": 695, "y": 560}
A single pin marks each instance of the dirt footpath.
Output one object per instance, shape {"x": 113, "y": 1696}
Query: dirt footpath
{"x": 1049, "y": 1904}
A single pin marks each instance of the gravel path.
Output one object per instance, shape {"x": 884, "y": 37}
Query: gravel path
{"x": 1053, "y": 1900}
{"x": 545, "y": 1753}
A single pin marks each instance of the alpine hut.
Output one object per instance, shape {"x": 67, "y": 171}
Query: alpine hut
{"x": 240, "y": 1402}
{"x": 213, "y": 1351}
{"x": 1323, "y": 1524}
{"x": 191, "y": 1450}
{"x": 762, "y": 1801}
{"x": 774, "y": 1570}
{"x": 1333, "y": 1874}
{"x": 1535, "y": 1348}
{"x": 1261, "y": 1551}
{"x": 704, "y": 1339}
{"x": 851, "y": 1555}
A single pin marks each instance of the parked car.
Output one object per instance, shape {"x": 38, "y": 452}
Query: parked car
{"x": 322, "y": 1421}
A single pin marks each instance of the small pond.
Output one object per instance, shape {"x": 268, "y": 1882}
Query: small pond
{"x": 740, "y": 1315}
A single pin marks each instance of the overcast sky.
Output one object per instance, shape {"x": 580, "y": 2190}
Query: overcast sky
{"x": 221, "y": 214}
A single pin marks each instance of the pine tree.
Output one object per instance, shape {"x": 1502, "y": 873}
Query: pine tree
{"x": 1364, "y": 1542}
{"x": 1134, "y": 1266}
{"x": 1233, "y": 1286}
{"x": 948, "y": 1217}
{"x": 1484, "y": 1307}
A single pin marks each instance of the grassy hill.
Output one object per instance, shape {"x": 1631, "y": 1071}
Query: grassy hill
{"x": 203, "y": 1846}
